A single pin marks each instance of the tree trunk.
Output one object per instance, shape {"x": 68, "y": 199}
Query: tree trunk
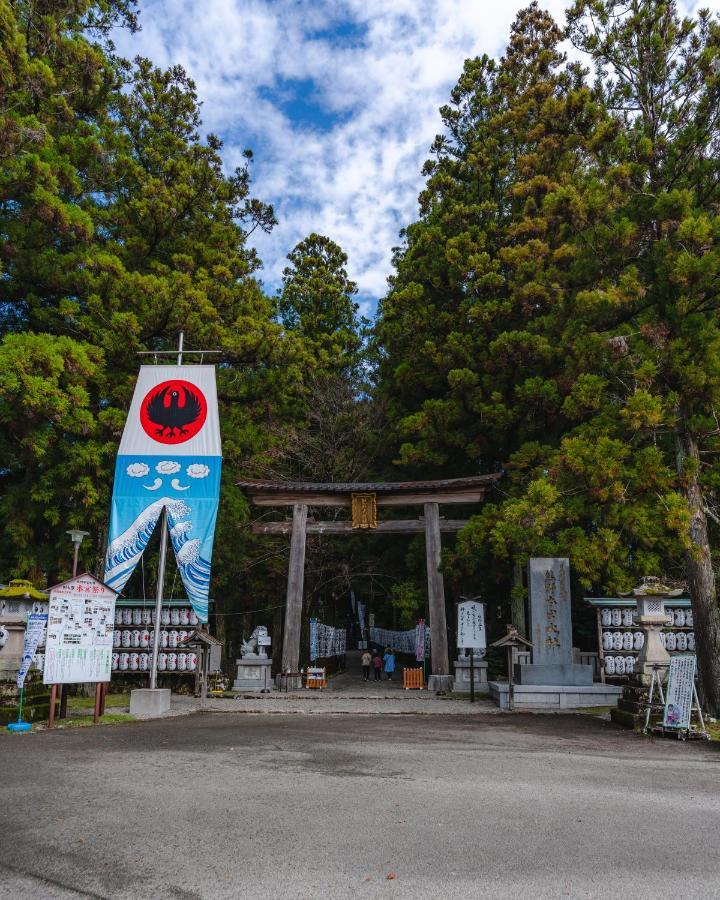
{"x": 517, "y": 598}
{"x": 701, "y": 577}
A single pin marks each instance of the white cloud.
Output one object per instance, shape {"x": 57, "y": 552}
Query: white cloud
{"x": 137, "y": 470}
{"x": 167, "y": 467}
{"x": 356, "y": 179}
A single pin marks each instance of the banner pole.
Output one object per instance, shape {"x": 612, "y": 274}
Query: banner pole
{"x": 159, "y": 597}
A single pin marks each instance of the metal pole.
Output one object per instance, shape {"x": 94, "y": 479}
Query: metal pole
{"x": 472, "y": 675}
{"x": 76, "y": 554}
{"x": 180, "y": 347}
{"x": 159, "y": 597}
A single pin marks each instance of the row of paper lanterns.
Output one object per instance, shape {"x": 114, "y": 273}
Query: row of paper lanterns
{"x": 680, "y": 618}
{"x": 140, "y": 662}
{"x": 635, "y": 640}
{"x": 145, "y": 637}
{"x": 145, "y": 615}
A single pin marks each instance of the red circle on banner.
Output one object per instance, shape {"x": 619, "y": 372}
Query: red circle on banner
{"x": 173, "y": 412}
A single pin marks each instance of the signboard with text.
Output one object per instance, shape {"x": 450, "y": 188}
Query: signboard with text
{"x": 79, "y": 644}
{"x": 471, "y": 625}
{"x": 679, "y": 697}
{"x": 34, "y": 632}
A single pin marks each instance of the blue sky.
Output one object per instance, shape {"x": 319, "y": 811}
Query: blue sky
{"x": 338, "y": 99}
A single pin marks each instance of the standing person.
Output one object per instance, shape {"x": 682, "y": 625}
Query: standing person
{"x": 389, "y": 661}
{"x": 366, "y": 660}
{"x": 377, "y": 665}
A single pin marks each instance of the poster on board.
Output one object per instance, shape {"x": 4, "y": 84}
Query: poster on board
{"x": 79, "y": 643}
{"x": 471, "y": 625}
{"x": 34, "y": 633}
{"x": 679, "y": 697}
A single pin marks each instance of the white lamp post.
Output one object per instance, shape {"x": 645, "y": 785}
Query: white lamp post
{"x": 76, "y": 536}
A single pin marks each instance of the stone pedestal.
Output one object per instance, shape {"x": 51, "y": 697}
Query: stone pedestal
{"x": 461, "y": 685}
{"x": 442, "y": 683}
{"x": 554, "y": 697}
{"x": 253, "y": 674}
{"x": 149, "y": 702}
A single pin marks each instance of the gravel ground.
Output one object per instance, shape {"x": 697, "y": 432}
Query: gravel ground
{"x": 223, "y": 805}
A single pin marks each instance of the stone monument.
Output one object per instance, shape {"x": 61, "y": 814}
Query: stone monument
{"x": 551, "y": 627}
{"x": 552, "y": 680}
{"x": 254, "y": 665}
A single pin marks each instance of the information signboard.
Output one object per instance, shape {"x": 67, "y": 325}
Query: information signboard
{"x": 679, "y": 697}
{"x": 79, "y": 644}
{"x": 33, "y": 635}
{"x": 471, "y": 625}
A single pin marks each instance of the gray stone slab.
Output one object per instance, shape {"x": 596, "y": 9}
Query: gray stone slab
{"x": 554, "y": 674}
{"x": 462, "y": 676}
{"x": 550, "y": 617}
{"x": 149, "y": 701}
{"x": 554, "y": 697}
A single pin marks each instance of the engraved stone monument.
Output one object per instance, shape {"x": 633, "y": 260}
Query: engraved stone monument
{"x": 551, "y": 628}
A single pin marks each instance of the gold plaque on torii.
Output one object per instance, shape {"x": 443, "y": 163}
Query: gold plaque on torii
{"x": 364, "y": 511}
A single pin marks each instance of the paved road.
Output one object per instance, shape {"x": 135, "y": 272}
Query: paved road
{"x": 223, "y": 805}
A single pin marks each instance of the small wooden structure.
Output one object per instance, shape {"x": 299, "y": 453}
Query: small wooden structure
{"x": 208, "y": 649}
{"x": 363, "y": 499}
{"x": 513, "y": 643}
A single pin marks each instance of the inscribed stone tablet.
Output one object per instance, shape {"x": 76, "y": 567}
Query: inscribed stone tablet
{"x": 550, "y": 619}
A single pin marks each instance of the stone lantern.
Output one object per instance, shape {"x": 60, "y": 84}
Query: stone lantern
{"x": 650, "y": 596}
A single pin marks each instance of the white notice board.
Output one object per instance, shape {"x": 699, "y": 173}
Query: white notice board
{"x": 471, "y": 625}
{"x": 79, "y": 643}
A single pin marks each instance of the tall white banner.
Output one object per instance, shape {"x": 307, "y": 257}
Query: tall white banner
{"x": 170, "y": 458}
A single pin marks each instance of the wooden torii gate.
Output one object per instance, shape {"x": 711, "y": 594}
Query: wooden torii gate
{"x": 363, "y": 498}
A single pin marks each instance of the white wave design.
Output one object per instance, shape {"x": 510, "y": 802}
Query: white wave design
{"x": 125, "y": 550}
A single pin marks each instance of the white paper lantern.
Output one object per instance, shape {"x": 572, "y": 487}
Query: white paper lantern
{"x": 184, "y": 616}
{"x": 619, "y": 665}
{"x": 691, "y": 641}
{"x": 629, "y": 665}
{"x": 681, "y": 641}
{"x": 638, "y": 640}
{"x": 192, "y": 661}
{"x": 144, "y": 662}
{"x": 174, "y": 616}
{"x": 607, "y": 640}
{"x": 670, "y": 641}
{"x": 680, "y": 618}
{"x": 124, "y": 662}
{"x": 182, "y": 662}
{"x": 127, "y": 616}
{"x": 627, "y": 617}
{"x": 115, "y": 662}
{"x": 627, "y": 640}
{"x": 134, "y": 662}
{"x": 117, "y": 637}
{"x": 135, "y": 638}
{"x": 689, "y": 618}
{"x": 193, "y": 617}
{"x": 172, "y": 662}
{"x": 663, "y": 639}
{"x": 617, "y": 640}
{"x": 616, "y": 617}
{"x": 610, "y": 665}
{"x": 126, "y": 639}
{"x": 606, "y": 617}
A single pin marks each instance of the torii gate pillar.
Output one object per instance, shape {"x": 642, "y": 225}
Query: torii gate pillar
{"x": 440, "y": 678}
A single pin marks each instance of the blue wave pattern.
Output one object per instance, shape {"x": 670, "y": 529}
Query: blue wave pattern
{"x": 192, "y": 514}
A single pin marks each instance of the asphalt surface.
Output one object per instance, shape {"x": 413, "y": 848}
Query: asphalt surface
{"x": 224, "y": 805}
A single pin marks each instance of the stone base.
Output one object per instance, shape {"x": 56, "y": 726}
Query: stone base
{"x": 253, "y": 675}
{"x": 554, "y": 697}
{"x": 567, "y": 674}
{"x": 461, "y": 684}
{"x": 149, "y": 701}
{"x": 442, "y": 683}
